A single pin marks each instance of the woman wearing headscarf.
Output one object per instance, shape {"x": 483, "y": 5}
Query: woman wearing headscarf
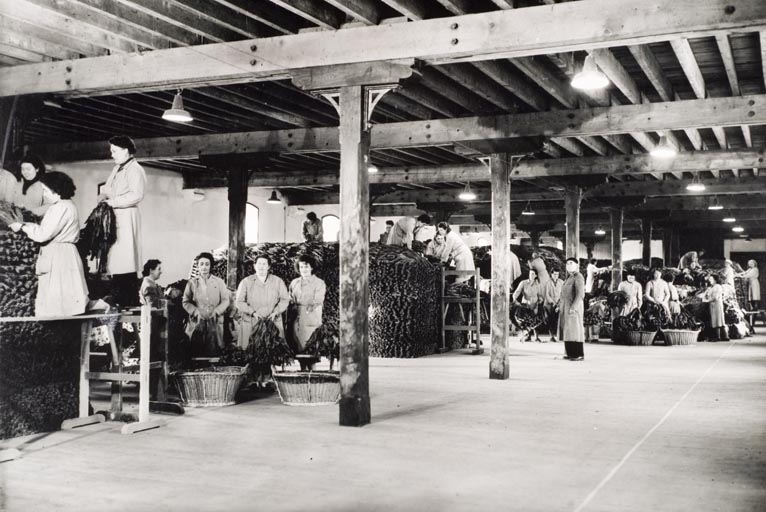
{"x": 753, "y": 285}
{"x": 456, "y": 249}
{"x": 307, "y": 297}
{"x": 61, "y": 288}
{"x": 571, "y": 328}
{"x": 30, "y": 194}
{"x": 261, "y": 295}
{"x": 205, "y": 300}
{"x": 123, "y": 191}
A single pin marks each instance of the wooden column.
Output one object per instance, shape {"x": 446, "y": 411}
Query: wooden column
{"x": 675, "y": 246}
{"x": 572, "y": 207}
{"x": 615, "y": 216}
{"x": 666, "y": 256}
{"x": 501, "y": 265}
{"x": 354, "y": 251}
{"x": 646, "y": 241}
{"x": 237, "y": 184}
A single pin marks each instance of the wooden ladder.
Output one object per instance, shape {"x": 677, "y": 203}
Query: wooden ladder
{"x": 473, "y": 328}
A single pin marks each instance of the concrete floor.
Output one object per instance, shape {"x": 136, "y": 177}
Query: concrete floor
{"x": 629, "y": 429}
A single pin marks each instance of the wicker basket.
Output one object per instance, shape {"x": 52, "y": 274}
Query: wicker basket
{"x": 680, "y": 337}
{"x": 641, "y": 337}
{"x": 210, "y": 387}
{"x": 308, "y": 388}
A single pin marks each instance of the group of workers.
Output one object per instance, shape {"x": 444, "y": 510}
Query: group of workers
{"x": 62, "y": 290}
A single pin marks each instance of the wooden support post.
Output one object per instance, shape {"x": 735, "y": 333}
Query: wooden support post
{"x": 666, "y": 246}
{"x": 615, "y": 216}
{"x": 354, "y": 251}
{"x": 646, "y": 241}
{"x": 237, "y": 184}
{"x": 572, "y": 207}
{"x": 675, "y": 246}
{"x": 499, "y": 365}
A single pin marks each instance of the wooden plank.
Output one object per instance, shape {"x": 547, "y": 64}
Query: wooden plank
{"x": 547, "y": 80}
{"x": 722, "y": 40}
{"x": 652, "y": 69}
{"x": 363, "y": 10}
{"x": 519, "y": 86}
{"x": 471, "y": 79}
{"x": 615, "y": 218}
{"x": 237, "y": 211}
{"x": 34, "y": 44}
{"x": 315, "y": 12}
{"x": 762, "y": 41}
{"x": 23, "y": 10}
{"x": 441, "y": 84}
{"x": 675, "y": 115}
{"x": 364, "y": 73}
{"x": 413, "y": 9}
{"x": 617, "y": 74}
{"x": 688, "y": 62}
{"x": 456, "y": 7}
{"x": 218, "y": 15}
{"x": 572, "y": 200}
{"x": 354, "y": 407}
{"x": 499, "y": 362}
{"x": 515, "y": 33}
{"x": 261, "y": 13}
{"x": 144, "y": 362}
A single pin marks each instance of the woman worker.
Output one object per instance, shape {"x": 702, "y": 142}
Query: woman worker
{"x": 531, "y": 294}
{"x": 753, "y": 286}
{"x": 261, "y": 295}
{"x": 307, "y": 295}
{"x": 61, "y": 288}
{"x": 571, "y": 330}
{"x": 205, "y": 300}
{"x": 30, "y": 194}
{"x": 714, "y": 297}
{"x": 151, "y": 292}
{"x": 123, "y": 191}
{"x": 436, "y": 246}
{"x": 455, "y": 248}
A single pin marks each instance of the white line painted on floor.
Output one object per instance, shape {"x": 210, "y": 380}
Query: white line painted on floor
{"x": 646, "y": 436}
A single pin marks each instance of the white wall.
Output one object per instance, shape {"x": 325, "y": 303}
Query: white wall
{"x": 739, "y": 245}
{"x": 175, "y": 228}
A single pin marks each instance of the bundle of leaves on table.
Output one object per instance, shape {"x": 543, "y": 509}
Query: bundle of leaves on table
{"x": 39, "y": 361}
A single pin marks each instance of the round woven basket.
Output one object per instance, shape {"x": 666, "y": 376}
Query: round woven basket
{"x": 641, "y": 337}
{"x": 680, "y": 337}
{"x": 210, "y": 387}
{"x": 308, "y": 388}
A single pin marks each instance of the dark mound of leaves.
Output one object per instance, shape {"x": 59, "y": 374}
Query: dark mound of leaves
{"x": 324, "y": 342}
{"x": 629, "y": 322}
{"x": 617, "y": 299}
{"x": 684, "y": 320}
{"x": 653, "y": 316}
{"x": 525, "y": 317}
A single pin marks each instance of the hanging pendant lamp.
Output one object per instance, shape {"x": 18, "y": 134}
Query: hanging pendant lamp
{"x": 590, "y": 78}
{"x": 177, "y": 113}
{"x": 467, "y": 194}
{"x": 273, "y": 199}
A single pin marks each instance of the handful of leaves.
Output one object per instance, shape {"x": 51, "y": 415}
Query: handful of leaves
{"x": 684, "y": 321}
{"x": 617, "y": 299}
{"x": 654, "y": 316}
{"x": 324, "y": 342}
{"x": 267, "y": 346}
{"x": 9, "y": 214}
{"x": 98, "y": 235}
{"x": 525, "y": 317}
{"x": 629, "y": 322}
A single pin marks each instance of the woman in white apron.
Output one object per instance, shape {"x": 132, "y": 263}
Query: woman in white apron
{"x": 123, "y": 191}
{"x": 456, "y": 249}
{"x": 61, "y": 288}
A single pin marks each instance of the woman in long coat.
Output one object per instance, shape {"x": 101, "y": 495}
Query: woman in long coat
{"x": 261, "y": 295}
{"x": 61, "y": 288}
{"x": 206, "y": 298}
{"x": 571, "y": 328}
{"x": 307, "y": 296}
{"x": 123, "y": 191}
{"x": 753, "y": 286}
{"x": 714, "y": 297}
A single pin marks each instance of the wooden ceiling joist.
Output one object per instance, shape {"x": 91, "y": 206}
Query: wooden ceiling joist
{"x": 515, "y": 33}
{"x": 441, "y": 132}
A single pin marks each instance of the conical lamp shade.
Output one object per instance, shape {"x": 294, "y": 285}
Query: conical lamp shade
{"x": 664, "y": 149}
{"x": 590, "y": 78}
{"x": 273, "y": 199}
{"x": 176, "y": 113}
{"x": 467, "y": 194}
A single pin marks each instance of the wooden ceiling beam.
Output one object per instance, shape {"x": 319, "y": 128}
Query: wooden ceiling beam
{"x": 440, "y": 84}
{"x": 439, "y": 132}
{"x": 66, "y": 28}
{"x": 316, "y": 12}
{"x": 413, "y": 9}
{"x": 217, "y": 14}
{"x": 84, "y": 12}
{"x": 363, "y": 10}
{"x": 624, "y": 165}
{"x": 516, "y": 33}
{"x": 34, "y": 44}
{"x": 423, "y": 96}
{"x": 262, "y": 14}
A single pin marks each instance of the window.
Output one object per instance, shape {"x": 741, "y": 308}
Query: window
{"x": 251, "y": 224}
{"x": 331, "y": 227}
